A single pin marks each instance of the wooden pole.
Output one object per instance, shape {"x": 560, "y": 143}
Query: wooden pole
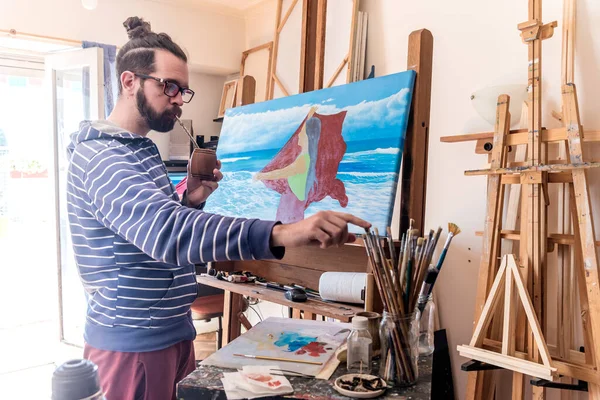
{"x": 414, "y": 159}
{"x": 491, "y": 239}
{"x": 273, "y": 68}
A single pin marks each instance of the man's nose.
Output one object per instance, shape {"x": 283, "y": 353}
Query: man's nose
{"x": 178, "y": 99}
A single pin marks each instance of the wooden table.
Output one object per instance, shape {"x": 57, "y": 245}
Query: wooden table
{"x": 303, "y": 267}
{"x": 205, "y": 383}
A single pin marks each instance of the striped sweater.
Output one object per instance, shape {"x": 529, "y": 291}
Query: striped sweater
{"x": 136, "y": 244}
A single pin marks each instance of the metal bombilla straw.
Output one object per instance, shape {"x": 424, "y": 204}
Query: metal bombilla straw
{"x": 188, "y": 133}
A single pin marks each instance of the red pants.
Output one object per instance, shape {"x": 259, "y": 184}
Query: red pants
{"x": 142, "y": 376}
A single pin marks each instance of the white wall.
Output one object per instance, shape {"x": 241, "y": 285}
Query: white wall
{"x": 477, "y": 45}
{"x": 205, "y": 105}
{"x": 214, "y": 41}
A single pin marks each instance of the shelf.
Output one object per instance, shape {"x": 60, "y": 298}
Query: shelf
{"x": 341, "y": 311}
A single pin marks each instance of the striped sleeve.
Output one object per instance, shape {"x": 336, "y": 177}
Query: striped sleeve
{"x": 128, "y": 202}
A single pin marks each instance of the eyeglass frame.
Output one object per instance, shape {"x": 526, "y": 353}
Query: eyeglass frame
{"x": 165, "y": 82}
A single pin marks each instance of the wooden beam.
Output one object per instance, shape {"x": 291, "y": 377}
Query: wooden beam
{"x": 519, "y": 136}
{"x": 555, "y": 177}
{"x": 491, "y": 241}
{"x": 562, "y": 239}
{"x": 281, "y": 87}
{"x": 536, "y": 168}
{"x": 258, "y": 48}
{"x": 273, "y": 76}
{"x": 286, "y": 16}
{"x": 337, "y": 72}
{"x": 306, "y": 45}
{"x": 414, "y": 159}
{"x": 583, "y": 217}
{"x": 510, "y": 317}
{"x": 353, "y": 39}
{"x": 488, "y": 309}
{"x": 321, "y": 30}
{"x": 231, "y": 323}
{"x": 578, "y": 371}
{"x": 508, "y": 362}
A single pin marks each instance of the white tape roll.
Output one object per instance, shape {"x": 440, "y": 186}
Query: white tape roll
{"x": 344, "y": 287}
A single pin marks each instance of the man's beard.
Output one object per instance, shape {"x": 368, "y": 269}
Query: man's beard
{"x": 157, "y": 122}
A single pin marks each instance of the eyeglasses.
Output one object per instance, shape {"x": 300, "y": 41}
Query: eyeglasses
{"x": 171, "y": 89}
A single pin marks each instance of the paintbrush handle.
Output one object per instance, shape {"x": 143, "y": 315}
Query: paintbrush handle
{"x": 441, "y": 260}
{"x": 444, "y": 251}
{"x": 278, "y": 359}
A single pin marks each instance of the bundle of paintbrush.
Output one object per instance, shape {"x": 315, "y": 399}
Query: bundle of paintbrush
{"x": 403, "y": 279}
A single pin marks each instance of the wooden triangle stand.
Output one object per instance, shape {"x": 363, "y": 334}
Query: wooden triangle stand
{"x": 522, "y": 347}
{"x": 510, "y": 277}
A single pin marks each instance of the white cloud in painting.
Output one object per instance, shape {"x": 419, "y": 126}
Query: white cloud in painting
{"x": 328, "y": 100}
{"x": 271, "y": 129}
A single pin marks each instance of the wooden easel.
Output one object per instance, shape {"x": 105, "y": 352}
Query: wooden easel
{"x": 524, "y": 352}
{"x": 305, "y": 266}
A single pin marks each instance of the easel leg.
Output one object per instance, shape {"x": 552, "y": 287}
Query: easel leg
{"x": 583, "y": 226}
{"x": 491, "y": 239}
{"x": 231, "y": 323}
{"x": 518, "y": 202}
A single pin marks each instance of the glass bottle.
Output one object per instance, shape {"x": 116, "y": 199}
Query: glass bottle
{"x": 360, "y": 347}
{"x": 399, "y": 336}
{"x": 426, "y": 326}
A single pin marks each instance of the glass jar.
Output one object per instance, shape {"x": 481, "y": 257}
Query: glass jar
{"x": 426, "y": 325}
{"x": 360, "y": 347}
{"x": 399, "y": 337}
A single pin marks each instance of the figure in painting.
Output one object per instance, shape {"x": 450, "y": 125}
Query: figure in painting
{"x": 305, "y": 169}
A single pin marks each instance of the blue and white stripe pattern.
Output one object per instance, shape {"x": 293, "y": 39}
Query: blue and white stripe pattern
{"x": 135, "y": 243}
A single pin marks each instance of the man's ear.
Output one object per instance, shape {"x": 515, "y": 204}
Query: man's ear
{"x": 128, "y": 82}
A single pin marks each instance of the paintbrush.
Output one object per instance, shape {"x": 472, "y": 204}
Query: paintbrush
{"x": 407, "y": 252}
{"x": 278, "y": 359}
{"x": 427, "y": 288}
{"x": 188, "y": 133}
{"x": 453, "y": 230}
{"x": 392, "y": 249}
{"x": 409, "y": 272}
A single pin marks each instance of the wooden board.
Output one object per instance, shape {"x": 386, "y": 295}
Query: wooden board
{"x": 328, "y": 309}
{"x": 411, "y": 202}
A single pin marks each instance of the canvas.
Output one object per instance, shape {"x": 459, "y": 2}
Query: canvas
{"x": 284, "y": 338}
{"x": 333, "y": 149}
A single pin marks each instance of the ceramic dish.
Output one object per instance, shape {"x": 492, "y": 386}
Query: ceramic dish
{"x": 358, "y": 395}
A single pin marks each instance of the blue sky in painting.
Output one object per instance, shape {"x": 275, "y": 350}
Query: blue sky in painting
{"x": 373, "y": 129}
{"x": 376, "y": 108}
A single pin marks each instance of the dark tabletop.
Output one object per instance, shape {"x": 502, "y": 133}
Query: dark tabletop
{"x": 205, "y": 383}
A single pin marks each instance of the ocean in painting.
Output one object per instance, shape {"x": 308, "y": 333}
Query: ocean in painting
{"x": 360, "y": 137}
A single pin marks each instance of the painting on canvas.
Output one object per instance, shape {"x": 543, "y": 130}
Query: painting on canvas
{"x": 293, "y": 339}
{"x": 333, "y": 149}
